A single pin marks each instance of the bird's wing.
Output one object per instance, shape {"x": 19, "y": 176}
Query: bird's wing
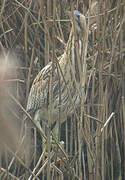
{"x": 39, "y": 93}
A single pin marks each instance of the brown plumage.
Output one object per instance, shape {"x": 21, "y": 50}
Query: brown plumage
{"x": 65, "y": 80}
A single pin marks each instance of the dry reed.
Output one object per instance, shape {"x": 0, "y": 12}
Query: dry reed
{"x": 94, "y": 139}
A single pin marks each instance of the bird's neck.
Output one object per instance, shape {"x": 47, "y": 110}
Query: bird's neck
{"x": 75, "y": 41}
{"x": 74, "y": 52}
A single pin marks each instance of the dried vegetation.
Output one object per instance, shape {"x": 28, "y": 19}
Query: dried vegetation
{"x": 33, "y": 32}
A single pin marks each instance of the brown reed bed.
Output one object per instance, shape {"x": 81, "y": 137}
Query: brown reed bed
{"x": 94, "y": 141}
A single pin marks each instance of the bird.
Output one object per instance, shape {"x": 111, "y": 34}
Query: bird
{"x": 66, "y": 79}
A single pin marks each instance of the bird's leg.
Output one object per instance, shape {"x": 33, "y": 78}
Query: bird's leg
{"x": 55, "y": 131}
{"x": 37, "y": 120}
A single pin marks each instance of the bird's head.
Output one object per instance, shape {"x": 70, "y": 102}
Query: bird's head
{"x": 79, "y": 20}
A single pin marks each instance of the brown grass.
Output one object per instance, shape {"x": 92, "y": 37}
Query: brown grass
{"x": 94, "y": 142}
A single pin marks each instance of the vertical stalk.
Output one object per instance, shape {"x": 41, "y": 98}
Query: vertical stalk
{"x": 51, "y": 95}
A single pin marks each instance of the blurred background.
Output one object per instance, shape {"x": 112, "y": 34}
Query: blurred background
{"x": 26, "y": 36}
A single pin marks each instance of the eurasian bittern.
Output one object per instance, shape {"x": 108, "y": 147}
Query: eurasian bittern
{"x": 66, "y": 79}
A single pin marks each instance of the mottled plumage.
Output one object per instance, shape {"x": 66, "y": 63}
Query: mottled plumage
{"x": 65, "y": 93}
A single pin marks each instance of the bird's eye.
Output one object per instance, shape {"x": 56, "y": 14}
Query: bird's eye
{"x": 78, "y": 17}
